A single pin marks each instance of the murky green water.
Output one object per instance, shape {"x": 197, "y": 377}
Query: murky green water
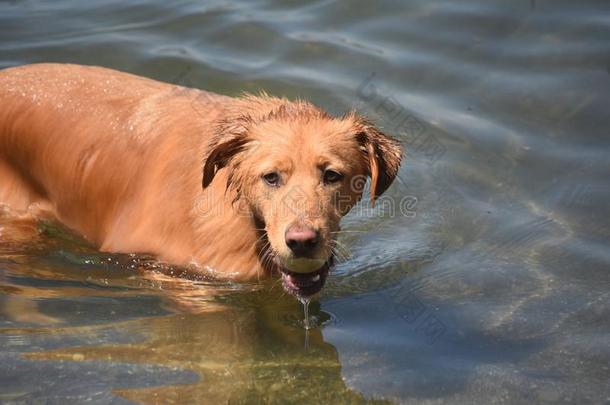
{"x": 483, "y": 276}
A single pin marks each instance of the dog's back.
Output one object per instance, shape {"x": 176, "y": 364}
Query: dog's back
{"x": 84, "y": 141}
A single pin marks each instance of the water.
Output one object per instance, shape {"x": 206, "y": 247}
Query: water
{"x": 483, "y": 276}
{"x": 305, "y": 301}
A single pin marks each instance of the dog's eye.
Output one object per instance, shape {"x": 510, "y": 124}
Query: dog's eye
{"x": 272, "y": 179}
{"x": 331, "y": 176}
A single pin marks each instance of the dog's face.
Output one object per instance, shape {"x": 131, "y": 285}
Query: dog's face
{"x": 298, "y": 171}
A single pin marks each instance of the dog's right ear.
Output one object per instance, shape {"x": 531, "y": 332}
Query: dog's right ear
{"x": 231, "y": 137}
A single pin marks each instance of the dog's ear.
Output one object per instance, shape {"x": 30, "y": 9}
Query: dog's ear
{"x": 382, "y": 156}
{"x": 230, "y": 138}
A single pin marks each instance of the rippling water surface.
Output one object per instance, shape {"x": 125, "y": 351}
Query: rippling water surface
{"x": 482, "y": 276}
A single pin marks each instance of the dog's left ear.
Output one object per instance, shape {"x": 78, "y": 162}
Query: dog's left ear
{"x": 383, "y": 155}
{"x": 230, "y": 138}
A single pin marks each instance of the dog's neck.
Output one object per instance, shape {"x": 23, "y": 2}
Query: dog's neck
{"x": 227, "y": 236}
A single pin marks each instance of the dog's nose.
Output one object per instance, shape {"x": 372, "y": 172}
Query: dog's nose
{"x": 302, "y": 240}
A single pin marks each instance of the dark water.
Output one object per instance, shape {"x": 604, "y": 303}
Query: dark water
{"x": 483, "y": 276}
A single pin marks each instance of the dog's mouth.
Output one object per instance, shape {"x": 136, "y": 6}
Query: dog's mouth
{"x": 305, "y": 284}
{"x": 297, "y": 279}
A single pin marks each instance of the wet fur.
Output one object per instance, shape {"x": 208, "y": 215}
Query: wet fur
{"x": 136, "y": 165}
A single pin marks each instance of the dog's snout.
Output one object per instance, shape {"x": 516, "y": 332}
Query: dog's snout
{"x": 302, "y": 240}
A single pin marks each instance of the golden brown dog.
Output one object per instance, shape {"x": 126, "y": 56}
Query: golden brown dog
{"x": 240, "y": 187}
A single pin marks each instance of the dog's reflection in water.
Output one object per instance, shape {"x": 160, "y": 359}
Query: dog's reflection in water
{"x": 246, "y": 345}
{"x": 244, "y": 349}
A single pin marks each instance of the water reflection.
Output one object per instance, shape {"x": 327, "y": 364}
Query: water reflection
{"x": 217, "y": 343}
{"x": 242, "y": 353}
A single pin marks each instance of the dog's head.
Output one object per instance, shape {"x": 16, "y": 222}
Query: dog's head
{"x": 298, "y": 171}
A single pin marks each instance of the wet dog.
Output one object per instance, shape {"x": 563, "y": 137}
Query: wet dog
{"x": 241, "y": 188}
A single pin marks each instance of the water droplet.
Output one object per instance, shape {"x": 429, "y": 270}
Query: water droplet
{"x": 305, "y": 301}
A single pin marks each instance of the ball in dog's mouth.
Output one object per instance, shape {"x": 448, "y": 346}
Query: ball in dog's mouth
{"x": 305, "y": 284}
